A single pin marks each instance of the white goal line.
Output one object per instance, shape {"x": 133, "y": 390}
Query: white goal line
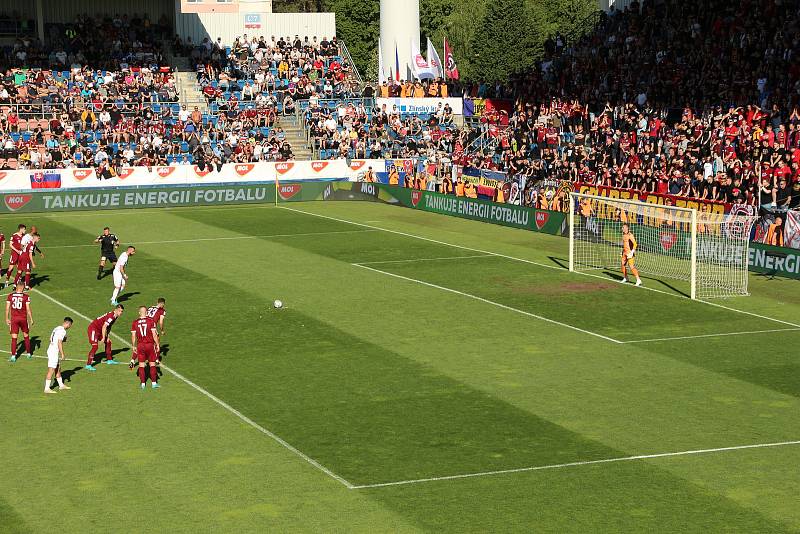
{"x": 578, "y": 464}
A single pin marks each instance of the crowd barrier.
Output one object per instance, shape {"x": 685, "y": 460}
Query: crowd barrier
{"x": 23, "y": 180}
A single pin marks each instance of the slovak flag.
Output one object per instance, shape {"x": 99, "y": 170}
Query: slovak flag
{"x": 45, "y": 180}
{"x": 396, "y": 63}
{"x": 450, "y": 67}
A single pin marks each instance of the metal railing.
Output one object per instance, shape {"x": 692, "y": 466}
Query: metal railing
{"x": 345, "y": 53}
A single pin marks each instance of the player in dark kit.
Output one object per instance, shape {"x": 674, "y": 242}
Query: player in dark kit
{"x": 15, "y": 243}
{"x": 99, "y": 331}
{"x": 18, "y": 317}
{"x": 25, "y": 262}
{"x": 158, "y": 314}
{"x": 108, "y": 245}
{"x": 144, "y": 340}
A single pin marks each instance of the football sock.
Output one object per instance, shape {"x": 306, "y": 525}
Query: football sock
{"x": 153, "y": 373}
{"x": 27, "y": 279}
{"x": 90, "y": 358}
{"x": 16, "y": 278}
{"x": 142, "y": 376}
{"x": 13, "y": 346}
{"x": 99, "y": 270}
{"x": 47, "y": 384}
{"x": 60, "y": 381}
{"x": 116, "y": 293}
{"x": 28, "y": 345}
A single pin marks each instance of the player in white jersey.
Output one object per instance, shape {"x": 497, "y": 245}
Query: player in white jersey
{"x": 120, "y": 277}
{"x": 55, "y": 354}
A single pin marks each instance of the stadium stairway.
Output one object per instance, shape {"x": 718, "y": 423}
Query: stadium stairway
{"x": 296, "y": 136}
{"x": 189, "y": 90}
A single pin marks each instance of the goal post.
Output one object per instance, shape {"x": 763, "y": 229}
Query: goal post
{"x": 709, "y": 250}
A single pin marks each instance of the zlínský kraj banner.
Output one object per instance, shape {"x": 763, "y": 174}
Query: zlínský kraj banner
{"x": 550, "y": 222}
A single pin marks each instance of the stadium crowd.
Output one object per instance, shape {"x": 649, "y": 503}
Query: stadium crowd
{"x": 691, "y": 98}
{"x": 105, "y": 99}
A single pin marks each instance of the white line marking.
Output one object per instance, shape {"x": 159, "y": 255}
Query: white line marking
{"x": 576, "y": 464}
{"x": 426, "y": 259}
{"x": 493, "y": 303}
{"x": 535, "y": 263}
{"x": 714, "y": 335}
{"x": 226, "y": 238}
{"x": 601, "y": 277}
{"x": 219, "y": 401}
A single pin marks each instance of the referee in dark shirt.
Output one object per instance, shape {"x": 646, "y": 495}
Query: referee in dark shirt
{"x": 108, "y": 245}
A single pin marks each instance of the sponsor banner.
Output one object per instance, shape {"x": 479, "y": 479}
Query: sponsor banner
{"x": 776, "y": 261}
{"x": 421, "y": 106}
{"x": 480, "y": 210}
{"x": 22, "y": 180}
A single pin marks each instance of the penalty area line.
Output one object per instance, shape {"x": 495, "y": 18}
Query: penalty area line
{"x": 411, "y": 260}
{"x": 578, "y": 464}
{"x": 531, "y": 262}
{"x": 493, "y": 303}
{"x": 713, "y": 335}
{"x": 217, "y": 400}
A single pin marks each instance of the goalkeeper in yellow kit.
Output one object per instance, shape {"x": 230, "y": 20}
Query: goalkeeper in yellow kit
{"x": 629, "y": 255}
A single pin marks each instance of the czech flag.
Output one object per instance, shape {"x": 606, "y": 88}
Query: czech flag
{"x": 45, "y": 180}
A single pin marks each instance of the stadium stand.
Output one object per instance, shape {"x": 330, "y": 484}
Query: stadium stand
{"x": 695, "y": 99}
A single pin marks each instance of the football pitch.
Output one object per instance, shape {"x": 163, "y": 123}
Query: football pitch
{"x": 426, "y": 374}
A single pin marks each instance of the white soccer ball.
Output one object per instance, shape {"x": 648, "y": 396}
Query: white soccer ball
{"x": 278, "y": 304}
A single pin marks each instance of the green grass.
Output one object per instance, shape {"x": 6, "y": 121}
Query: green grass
{"x": 394, "y": 371}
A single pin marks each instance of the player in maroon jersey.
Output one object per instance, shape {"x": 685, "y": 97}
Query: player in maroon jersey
{"x": 99, "y": 331}
{"x": 18, "y": 317}
{"x": 16, "y": 249}
{"x": 25, "y": 262}
{"x": 2, "y": 249}
{"x": 144, "y": 340}
{"x": 158, "y": 314}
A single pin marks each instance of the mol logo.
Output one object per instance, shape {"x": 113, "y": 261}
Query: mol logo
{"x": 668, "y": 240}
{"x": 80, "y": 174}
{"x": 3, "y": 174}
{"x": 369, "y": 189}
{"x": 200, "y": 173}
{"x": 357, "y": 164}
{"x": 541, "y": 219}
{"x": 164, "y": 171}
{"x": 243, "y": 168}
{"x": 288, "y": 191}
{"x": 15, "y": 202}
{"x": 319, "y": 165}
{"x": 125, "y": 172}
{"x": 416, "y": 196}
{"x": 283, "y": 167}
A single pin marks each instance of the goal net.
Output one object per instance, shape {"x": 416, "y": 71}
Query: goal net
{"x": 709, "y": 250}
